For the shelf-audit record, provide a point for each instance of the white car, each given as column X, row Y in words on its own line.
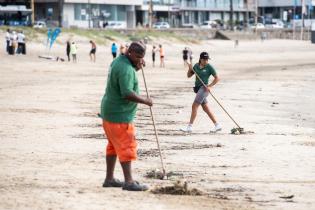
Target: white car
column 116, row 25
column 258, row 26
column 39, row 24
column 278, row 25
column 161, row 25
column 209, row 24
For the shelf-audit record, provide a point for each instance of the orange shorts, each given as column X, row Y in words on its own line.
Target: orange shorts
column 121, row 140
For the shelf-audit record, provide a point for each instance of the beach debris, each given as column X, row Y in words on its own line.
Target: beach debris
column 287, row 197
column 157, row 174
column 239, row 131
column 178, row 188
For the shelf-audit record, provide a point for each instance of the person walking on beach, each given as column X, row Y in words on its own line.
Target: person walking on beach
column 185, row 56
column 93, row 51
column 21, row 43
column 7, row 40
column 13, row 43
column 114, row 50
column 73, row 51
column 204, row 70
column 162, row 64
column 153, row 55
column 118, row 109
column 190, row 55
column 68, row 50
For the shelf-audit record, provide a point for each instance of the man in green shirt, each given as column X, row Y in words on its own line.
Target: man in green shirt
column 204, row 70
column 118, row 109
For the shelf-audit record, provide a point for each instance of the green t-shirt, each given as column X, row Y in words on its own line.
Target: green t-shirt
column 203, row 73
column 122, row 80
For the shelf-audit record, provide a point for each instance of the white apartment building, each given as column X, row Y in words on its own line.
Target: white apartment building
column 179, row 13
column 94, row 13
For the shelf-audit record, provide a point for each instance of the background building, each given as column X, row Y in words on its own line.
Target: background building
column 49, row 11
column 98, row 13
column 285, row 10
column 188, row 13
column 15, row 13
column 178, row 13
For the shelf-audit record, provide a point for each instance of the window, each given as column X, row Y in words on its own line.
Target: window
column 80, row 12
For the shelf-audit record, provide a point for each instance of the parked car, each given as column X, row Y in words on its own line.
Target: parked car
column 278, row 24
column 116, row 25
column 258, row 26
column 39, row 24
column 161, row 25
column 209, row 24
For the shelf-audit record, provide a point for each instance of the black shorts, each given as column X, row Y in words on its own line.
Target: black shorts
column 185, row 57
column 93, row 51
column 153, row 57
column 114, row 54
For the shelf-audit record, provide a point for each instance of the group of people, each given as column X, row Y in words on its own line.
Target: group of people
column 15, row 42
column 72, row 50
column 119, row 106
column 122, row 49
column 161, row 52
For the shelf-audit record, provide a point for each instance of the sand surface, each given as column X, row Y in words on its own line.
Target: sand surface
column 52, row 143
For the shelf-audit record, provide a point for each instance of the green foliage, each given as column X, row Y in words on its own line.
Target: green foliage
column 106, row 36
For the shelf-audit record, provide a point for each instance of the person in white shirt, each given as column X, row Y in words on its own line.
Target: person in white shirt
column 21, row 43
column 13, row 42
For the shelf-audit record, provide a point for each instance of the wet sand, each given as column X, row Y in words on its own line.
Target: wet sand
column 52, row 143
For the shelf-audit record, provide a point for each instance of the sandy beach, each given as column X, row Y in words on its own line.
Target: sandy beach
column 52, row 143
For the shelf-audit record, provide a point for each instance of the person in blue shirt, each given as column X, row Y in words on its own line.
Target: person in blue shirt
column 114, row 50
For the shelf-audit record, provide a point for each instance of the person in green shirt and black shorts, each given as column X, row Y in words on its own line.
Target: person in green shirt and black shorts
column 118, row 109
column 204, row 71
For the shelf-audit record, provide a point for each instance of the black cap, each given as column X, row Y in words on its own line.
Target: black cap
column 204, row 55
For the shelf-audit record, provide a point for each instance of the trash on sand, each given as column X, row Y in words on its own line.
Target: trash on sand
column 287, row 197
column 157, row 174
column 238, row 131
column 178, row 188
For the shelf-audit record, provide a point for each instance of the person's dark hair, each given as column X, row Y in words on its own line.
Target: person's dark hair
column 137, row 47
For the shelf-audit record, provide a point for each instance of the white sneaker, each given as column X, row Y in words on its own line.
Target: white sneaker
column 217, row 127
column 188, row 129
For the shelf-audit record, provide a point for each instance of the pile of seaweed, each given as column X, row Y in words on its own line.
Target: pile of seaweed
column 178, row 188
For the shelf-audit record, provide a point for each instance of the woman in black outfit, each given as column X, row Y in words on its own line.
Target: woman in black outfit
column 68, row 50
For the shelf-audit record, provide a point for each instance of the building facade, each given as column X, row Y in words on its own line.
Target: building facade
column 286, row 10
column 15, row 13
column 187, row 13
column 97, row 13
column 178, row 13
column 49, row 11
column 195, row 12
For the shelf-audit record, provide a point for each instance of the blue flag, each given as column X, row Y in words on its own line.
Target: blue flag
column 49, row 32
column 54, row 36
